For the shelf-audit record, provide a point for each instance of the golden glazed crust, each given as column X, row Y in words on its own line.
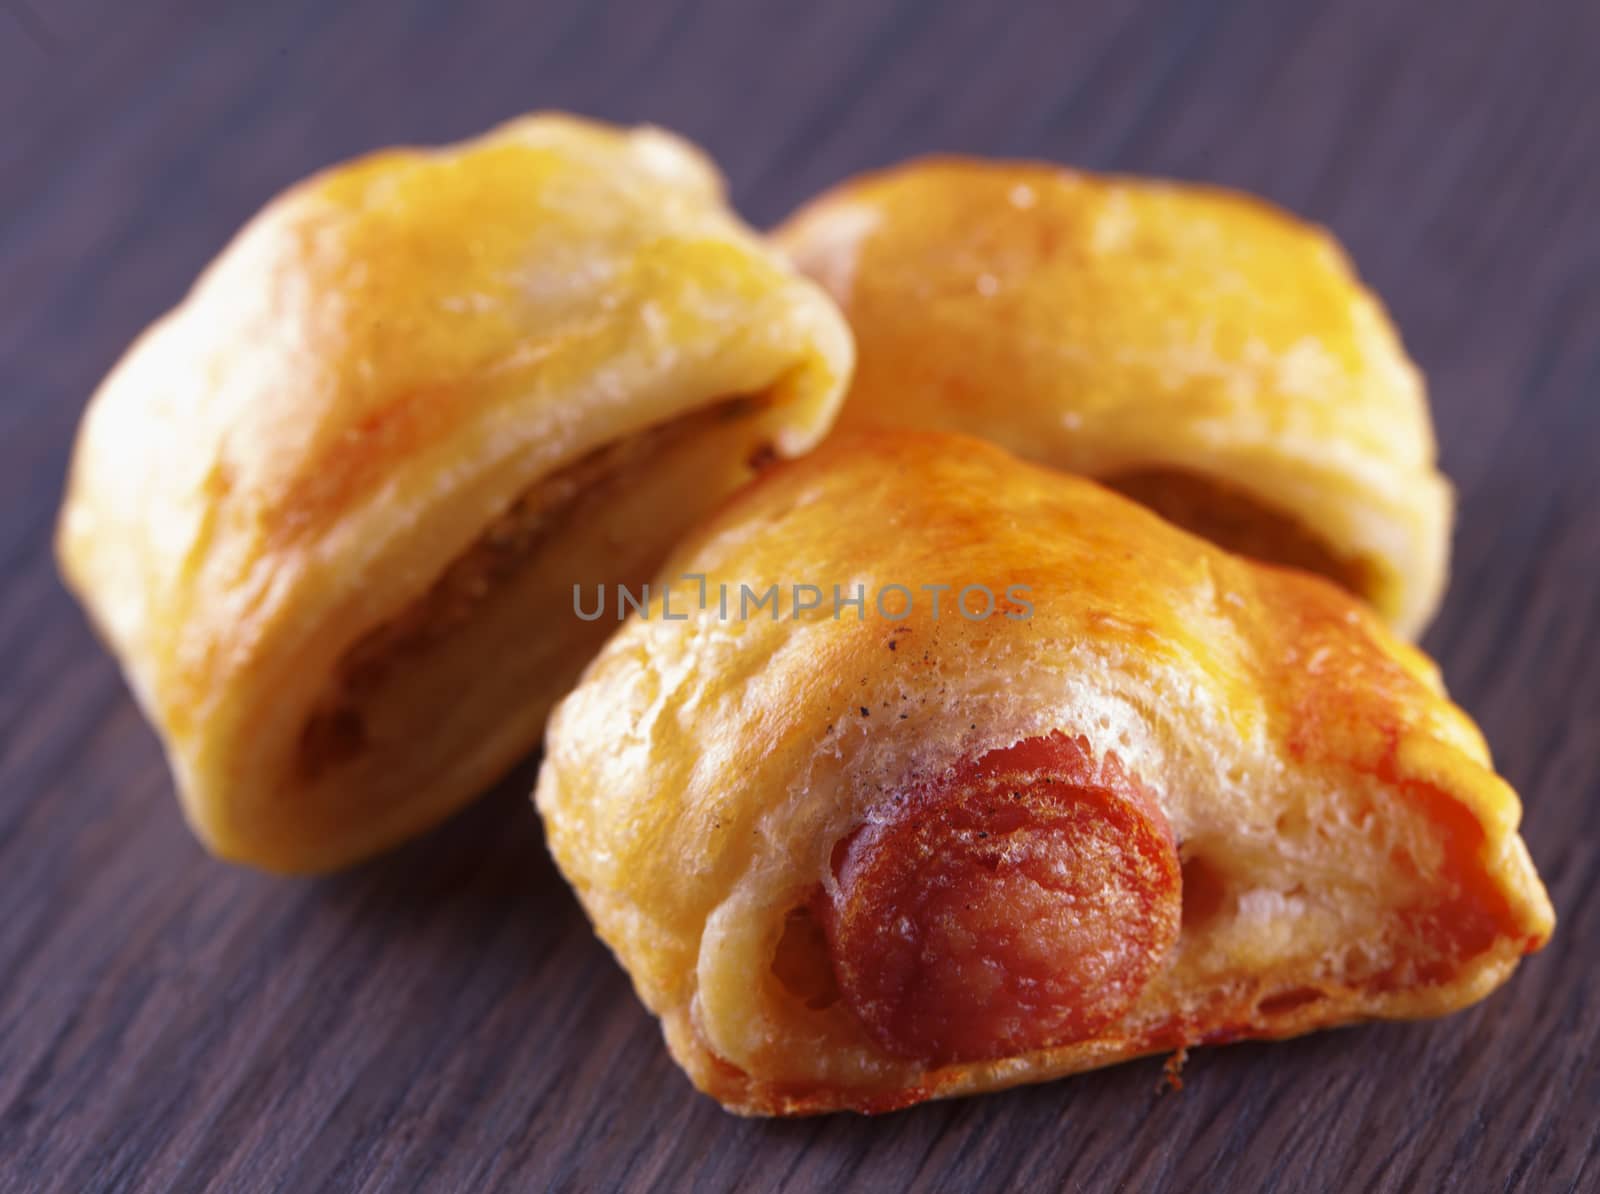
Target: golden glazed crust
column 354, row 404
column 1173, row 336
column 824, row 847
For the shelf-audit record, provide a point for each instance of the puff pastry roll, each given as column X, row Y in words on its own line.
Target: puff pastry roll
column 1201, row 351
column 1119, row 792
column 330, row 511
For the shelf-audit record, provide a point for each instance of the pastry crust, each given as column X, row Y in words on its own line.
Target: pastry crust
column 330, row 511
column 1162, row 796
column 1207, row 353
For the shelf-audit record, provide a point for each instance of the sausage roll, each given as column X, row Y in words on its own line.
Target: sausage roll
column 330, row 511
column 1202, row 352
column 1000, row 777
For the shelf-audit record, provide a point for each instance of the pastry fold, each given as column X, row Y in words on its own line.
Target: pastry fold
column 330, row 511
column 1202, row 351
column 1118, row 792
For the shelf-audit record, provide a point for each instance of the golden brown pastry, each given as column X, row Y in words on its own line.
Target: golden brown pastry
column 1159, row 796
column 330, row 511
column 1200, row 351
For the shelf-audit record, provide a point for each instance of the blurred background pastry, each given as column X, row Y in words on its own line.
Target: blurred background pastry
column 329, row 512
column 1199, row 350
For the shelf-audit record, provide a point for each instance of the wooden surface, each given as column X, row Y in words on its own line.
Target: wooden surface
column 443, row 1018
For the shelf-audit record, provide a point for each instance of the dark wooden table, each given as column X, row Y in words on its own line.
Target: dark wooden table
column 443, row 1018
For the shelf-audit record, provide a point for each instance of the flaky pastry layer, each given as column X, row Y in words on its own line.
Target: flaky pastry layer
column 1161, row 796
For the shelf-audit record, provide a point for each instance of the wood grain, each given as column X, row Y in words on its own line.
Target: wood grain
column 443, row 1018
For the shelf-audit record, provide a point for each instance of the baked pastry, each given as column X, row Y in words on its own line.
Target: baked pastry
column 1159, row 796
column 1200, row 351
column 330, row 511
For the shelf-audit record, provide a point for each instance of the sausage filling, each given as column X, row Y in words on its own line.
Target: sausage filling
column 1022, row 904
column 1234, row 519
column 336, row 732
